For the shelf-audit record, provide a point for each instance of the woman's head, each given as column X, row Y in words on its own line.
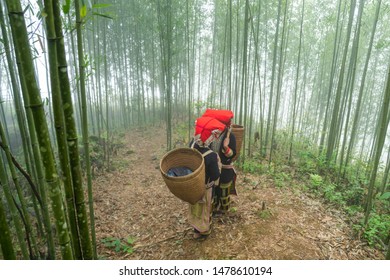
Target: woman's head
column 224, row 116
column 207, row 130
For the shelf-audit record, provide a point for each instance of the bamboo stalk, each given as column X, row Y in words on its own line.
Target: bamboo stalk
column 34, row 101
column 5, row 236
column 85, row 136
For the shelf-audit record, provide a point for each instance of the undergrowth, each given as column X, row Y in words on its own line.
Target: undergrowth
column 345, row 190
column 119, row 245
column 101, row 152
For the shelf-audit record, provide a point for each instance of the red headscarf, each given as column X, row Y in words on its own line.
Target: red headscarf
column 207, row 129
column 224, row 116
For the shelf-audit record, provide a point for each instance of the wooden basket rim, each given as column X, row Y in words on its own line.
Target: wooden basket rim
column 185, row 177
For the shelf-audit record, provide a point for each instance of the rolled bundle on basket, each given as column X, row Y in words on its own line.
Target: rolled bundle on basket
column 189, row 188
column 224, row 116
column 238, row 131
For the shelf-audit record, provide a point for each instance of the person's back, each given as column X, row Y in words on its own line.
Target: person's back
column 210, row 161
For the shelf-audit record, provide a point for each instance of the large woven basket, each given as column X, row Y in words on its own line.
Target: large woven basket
column 189, row 188
column 238, row 131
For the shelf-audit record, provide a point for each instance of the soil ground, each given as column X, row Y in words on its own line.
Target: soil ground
column 266, row 222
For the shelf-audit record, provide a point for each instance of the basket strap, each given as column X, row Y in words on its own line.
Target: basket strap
column 207, row 153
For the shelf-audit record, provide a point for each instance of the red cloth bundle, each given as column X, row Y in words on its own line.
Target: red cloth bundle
column 207, row 128
column 224, row 116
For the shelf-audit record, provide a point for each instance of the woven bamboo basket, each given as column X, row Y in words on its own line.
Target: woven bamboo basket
column 189, row 188
column 238, row 131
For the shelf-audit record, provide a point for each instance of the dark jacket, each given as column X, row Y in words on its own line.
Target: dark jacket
column 211, row 164
column 227, row 174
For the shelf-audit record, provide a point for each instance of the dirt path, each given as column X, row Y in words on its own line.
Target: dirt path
column 133, row 201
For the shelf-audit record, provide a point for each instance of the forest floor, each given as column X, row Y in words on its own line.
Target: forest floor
column 133, row 202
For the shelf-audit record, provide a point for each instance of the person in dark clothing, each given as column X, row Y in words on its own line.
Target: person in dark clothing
column 226, row 148
column 226, row 154
column 210, row 162
column 199, row 217
column 226, row 187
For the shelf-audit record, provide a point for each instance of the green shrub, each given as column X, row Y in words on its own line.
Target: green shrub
column 316, row 180
column 252, row 166
column 307, row 162
column 378, row 227
column 125, row 246
column 332, row 195
column 353, row 210
column 281, row 178
column 354, row 194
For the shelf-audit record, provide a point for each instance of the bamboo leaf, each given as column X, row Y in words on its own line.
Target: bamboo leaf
column 103, row 15
column 83, row 11
column 385, row 196
column 66, row 7
column 97, row 6
column 25, row 10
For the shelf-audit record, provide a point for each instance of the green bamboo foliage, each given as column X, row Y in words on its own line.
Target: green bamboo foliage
column 107, row 94
column 346, row 111
column 189, row 79
column 27, row 73
column 20, row 233
column 307, row 76
column 168, row 39
column 165, row 28
column 379, row 143
column 80, row 199
column 279, row 80
column 335, row 122
column 255, row 78
column 244, row 74
column 358, row 108
column 35, row 157
column 229, row 56
column 329, row 90
column 5, row 236
column 294, row 110
column 59, row 123
column 72, row 140
column 22, row 199
column 3, row 175
column 16, row 96
column 385, row 182
column 271, row 94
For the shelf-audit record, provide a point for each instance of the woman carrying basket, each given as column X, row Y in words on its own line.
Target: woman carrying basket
column 225, row 146
column 207, row 130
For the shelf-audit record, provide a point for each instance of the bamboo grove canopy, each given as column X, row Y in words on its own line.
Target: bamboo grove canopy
column 310, row 78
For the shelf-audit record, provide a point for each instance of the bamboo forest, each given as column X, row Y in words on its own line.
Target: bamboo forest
column 95, row 93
